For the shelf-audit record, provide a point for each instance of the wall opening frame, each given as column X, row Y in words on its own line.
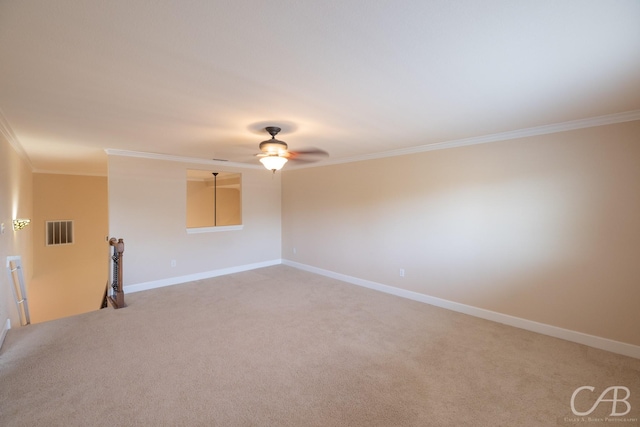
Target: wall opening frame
column 214, row 201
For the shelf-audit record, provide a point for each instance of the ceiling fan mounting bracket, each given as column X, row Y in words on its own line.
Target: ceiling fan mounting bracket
column 273, row 130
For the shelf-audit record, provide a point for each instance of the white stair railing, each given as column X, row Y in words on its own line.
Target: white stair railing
column 14, row 269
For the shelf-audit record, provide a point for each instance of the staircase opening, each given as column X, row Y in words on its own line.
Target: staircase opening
column 70, row 228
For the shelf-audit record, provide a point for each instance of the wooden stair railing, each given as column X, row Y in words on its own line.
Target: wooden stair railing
column 116, row 299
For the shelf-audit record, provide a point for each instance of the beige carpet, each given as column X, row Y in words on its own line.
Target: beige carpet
column 283, row 347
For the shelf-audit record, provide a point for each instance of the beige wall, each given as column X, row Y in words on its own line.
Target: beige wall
column 544, row 228
column 147, row 208
column 69, row 279
column 15, row 202
column 228, row 206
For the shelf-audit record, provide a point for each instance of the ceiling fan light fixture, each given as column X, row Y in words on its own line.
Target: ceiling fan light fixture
column 273, row 163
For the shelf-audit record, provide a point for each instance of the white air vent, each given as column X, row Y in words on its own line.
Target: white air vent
column 59, row 233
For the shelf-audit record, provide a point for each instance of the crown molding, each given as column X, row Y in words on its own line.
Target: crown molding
column 7, row 133
column 609, row 119
column 63, row 172
column 180, row 159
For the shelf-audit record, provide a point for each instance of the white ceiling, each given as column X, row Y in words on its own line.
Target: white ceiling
column 353, row 77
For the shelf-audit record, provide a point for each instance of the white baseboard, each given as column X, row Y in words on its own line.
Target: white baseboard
column 197, row 276
column 5, row 329
column 529, row 325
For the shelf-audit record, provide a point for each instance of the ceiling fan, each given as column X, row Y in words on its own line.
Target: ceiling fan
column 275, row 153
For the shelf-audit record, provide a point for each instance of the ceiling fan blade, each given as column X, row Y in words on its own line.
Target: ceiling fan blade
column 308, row 155
column 312, row 151
column 300, row 160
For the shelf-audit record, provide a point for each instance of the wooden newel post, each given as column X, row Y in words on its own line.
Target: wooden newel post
column 116, row 299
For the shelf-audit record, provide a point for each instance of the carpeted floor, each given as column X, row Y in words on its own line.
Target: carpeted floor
column 282, row 347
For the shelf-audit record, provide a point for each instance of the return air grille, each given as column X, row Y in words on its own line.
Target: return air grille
column 59, row 233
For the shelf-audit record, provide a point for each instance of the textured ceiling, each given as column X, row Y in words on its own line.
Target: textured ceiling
column 353, row 77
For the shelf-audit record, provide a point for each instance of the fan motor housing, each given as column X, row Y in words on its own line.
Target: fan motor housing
column 273, row 146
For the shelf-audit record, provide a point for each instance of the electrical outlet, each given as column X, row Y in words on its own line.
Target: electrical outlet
column 173, row 263
column 2, row 228
column 295, row 251
column 402, row 272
